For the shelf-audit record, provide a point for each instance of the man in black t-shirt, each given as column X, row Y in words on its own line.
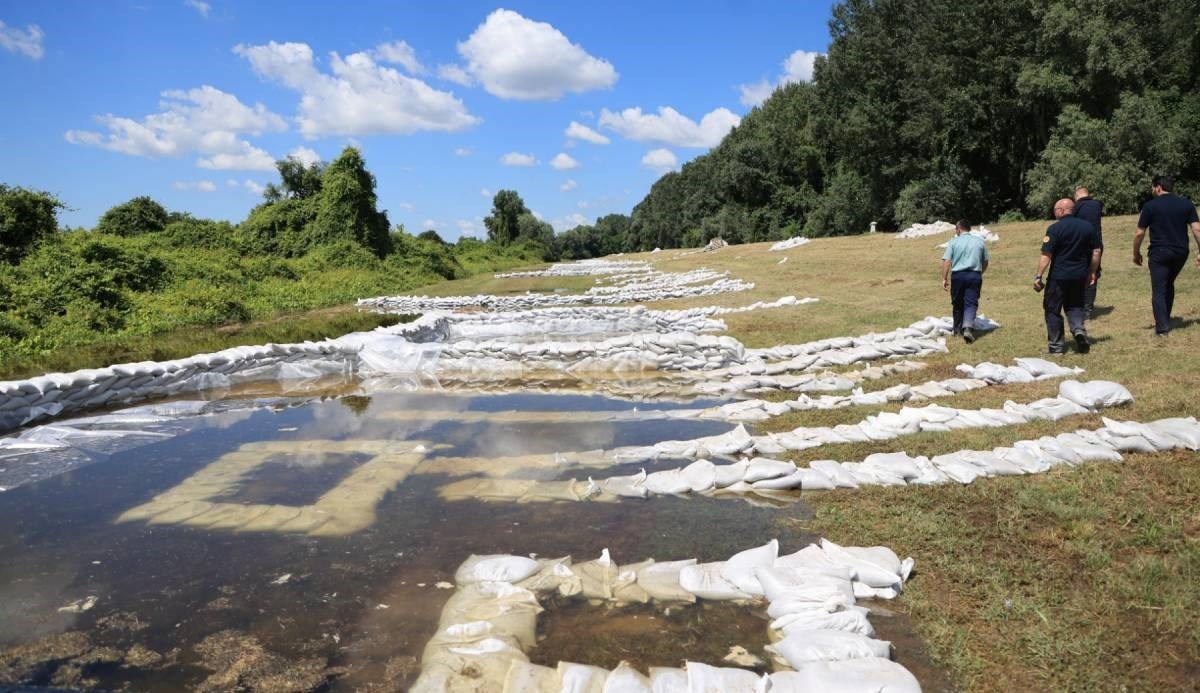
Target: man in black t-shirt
column 1090, row 210
column 1167, row 216
column 1071, row 249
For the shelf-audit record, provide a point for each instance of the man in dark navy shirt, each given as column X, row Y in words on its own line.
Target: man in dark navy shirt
column 1090, row 210
column 1071, row 249
column 1167, row 216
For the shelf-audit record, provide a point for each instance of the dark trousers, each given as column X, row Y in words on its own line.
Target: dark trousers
column 1063, row 295
column 965, row 286
column 1165, row 265
column 1089, row 295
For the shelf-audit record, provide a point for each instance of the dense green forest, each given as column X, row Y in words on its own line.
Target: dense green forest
column 317, row 240
column 928, row 109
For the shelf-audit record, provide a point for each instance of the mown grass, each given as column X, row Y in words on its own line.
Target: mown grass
column 1078, row 579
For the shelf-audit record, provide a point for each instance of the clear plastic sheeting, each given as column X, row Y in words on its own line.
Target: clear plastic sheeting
column 793, row 242
column 820, row 634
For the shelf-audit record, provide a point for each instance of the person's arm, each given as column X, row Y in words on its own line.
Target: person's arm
column 1094, row 266
column 986, row 259
column 1196, row 235
column 1043, row 263
column 1137, row 245
column 946, row 275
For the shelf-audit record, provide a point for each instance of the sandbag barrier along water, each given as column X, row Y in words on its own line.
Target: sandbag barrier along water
column 821, row 639
column 771, row 478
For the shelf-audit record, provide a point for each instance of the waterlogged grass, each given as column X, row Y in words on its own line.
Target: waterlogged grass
column 1079, row 579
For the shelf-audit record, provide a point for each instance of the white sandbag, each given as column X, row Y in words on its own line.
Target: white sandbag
column 728, row 474
column 761, row 468
column 703, row 678
column 1095, row 394
column 740, row 568
column 1183, row 430
column 866, row 566
column 957, row 467
column 705, row 581
column 813, row 480
column 865, row 591
column 812, row 558
column 930, row 475
column 630, row 486
column 495, row 568
column 897, row 463
column 661, row 581
column 700, row 476
column 581, row 678
column 793, row 590
column 874, row 674
column 1087, row 450
column 626, row 589
column 596, row 578
column 1042, row 369
column 552, row 575
column 804, row 646
column 668, row 680
column 853, row 620
column 784, row 483
column 626, row 679
column 835, row 471
column 667, row 482
column 524, row 677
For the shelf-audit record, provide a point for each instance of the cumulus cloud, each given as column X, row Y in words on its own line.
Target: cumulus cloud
column 454, row 73
column 518, row 159
column 202, row 7
column 568, row 222
column 467, row 227
column 569, row 185
column 203, row 120
column 462, row 151
column 797, row 67
column 485, row 192
column 197, row 185
column 660, row 160
column 670, row 126
column 400, row 53
column 579, row 131
column 431, row 224
column 518, row 58
column 563, row 162
column 407, row 207
column 27, row 43
column 305, row 156
column 358, row 96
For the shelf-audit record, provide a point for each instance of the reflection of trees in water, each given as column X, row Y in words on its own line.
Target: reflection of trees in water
column 359, row 404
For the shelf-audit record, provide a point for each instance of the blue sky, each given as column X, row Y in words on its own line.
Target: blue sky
column 577, row 107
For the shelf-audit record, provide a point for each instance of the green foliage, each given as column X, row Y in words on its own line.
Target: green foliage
column 843, row 208
column 138, row 216
column 277, row 227
column 431, row 235
column 345, row 206
column 186, row 231
column 503, row 224
column 26, row 217
column 949, row 192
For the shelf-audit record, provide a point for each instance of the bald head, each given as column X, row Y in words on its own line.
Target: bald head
column 1064, row 208
column 1081, row 191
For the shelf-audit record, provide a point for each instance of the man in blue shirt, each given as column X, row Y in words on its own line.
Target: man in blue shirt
column 1167, row 216
column 1071, row 249
column 1090, row 210
column 963, row 265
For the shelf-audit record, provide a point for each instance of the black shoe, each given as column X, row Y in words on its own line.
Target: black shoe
column 1082, row 345
column 956, row 332
column 968, row 335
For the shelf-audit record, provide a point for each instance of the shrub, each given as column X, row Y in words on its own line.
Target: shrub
column 138, row 216
column 26, row 217
column 190, row 232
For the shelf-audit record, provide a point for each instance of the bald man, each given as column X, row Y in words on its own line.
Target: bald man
column 1071, row 251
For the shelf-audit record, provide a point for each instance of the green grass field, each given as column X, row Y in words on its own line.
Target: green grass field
column 1079, row 579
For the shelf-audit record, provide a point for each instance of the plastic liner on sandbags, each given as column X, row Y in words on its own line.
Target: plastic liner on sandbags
column 524, row 677
column 702, row 678
column 803, row 646
column 853, row 620
column 874, row 674
column 581, row 678
column 668, row 680
column 495, row 568
column 626, row 679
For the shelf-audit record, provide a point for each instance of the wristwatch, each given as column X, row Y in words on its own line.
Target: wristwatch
column 1037, row 277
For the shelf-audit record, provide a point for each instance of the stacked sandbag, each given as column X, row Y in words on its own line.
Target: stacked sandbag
column 793, row 242
column 819, row 635
column 592, row 267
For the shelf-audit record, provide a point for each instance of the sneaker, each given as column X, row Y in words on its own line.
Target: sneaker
column 968, row 335
column 1082, row 345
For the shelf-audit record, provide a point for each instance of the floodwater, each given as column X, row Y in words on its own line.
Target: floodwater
column 316, row 539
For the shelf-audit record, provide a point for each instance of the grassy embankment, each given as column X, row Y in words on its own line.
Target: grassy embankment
column 1078, row 579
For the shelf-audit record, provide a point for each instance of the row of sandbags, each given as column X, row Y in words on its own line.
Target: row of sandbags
column 421, row 304
column 583, row 268
column 816, row 631
column 1074, row 398
column 768, row 477
column 983, row 375
column 793, row 242
column 928, row 328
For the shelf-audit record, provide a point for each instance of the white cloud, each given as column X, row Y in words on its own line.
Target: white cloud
column 454, row 73
column 407, row 207
column 28, row 42
column 518, row 58
column 231, row 183
column 670, row 126
column 563, row 162
column 660, row 160
column 580, row 131
column 485, row 192
column 463, row 151
column 197, row 185
column 568, row 222
column 359, row 97
column 305, row 156
column 797, row 67
column 202, row 7
column 518, row 159
column 467, row 227
column 203, row 120
column 430, row 224
column 254, row 187
column 569, row 185
column 583, row 204
column 402, row 54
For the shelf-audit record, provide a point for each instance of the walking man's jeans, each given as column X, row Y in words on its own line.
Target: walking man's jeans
column 1165, row 264
column 1089, row 295
column 1063, row 295
column 965, row 286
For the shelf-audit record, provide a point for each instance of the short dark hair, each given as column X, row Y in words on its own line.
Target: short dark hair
column 963, row 224
column 1163, row 181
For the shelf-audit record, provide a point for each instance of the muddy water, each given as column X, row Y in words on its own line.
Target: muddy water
column 182, row 607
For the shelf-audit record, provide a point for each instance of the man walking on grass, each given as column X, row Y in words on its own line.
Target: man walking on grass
column 1090, row 210
column 1071, row 250
column 1167, row 217
column 963, row 265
